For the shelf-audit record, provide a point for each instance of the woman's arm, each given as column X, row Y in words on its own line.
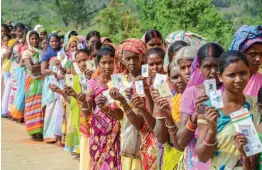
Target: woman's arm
column 34, row 68
column 148, row 118
column 44, row 69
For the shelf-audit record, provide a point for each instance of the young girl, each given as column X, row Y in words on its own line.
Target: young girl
column 192, row 96
column 105, row 128
column 215, row 128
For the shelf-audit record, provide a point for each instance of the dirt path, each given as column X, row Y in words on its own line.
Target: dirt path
column 21, row 153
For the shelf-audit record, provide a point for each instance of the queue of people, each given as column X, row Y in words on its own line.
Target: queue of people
column 141, row 104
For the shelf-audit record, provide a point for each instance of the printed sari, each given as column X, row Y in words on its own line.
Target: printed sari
column 104, row 136
column 226, row 155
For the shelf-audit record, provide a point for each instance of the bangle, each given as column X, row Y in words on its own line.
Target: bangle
column 170, row 127
column 174, row 132
column 123, row 105
column 84, row 108
column 129, row 111
column 209, row 144
column 160, row 117
column 191, row 126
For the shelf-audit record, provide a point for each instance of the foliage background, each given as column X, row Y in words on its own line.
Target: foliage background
column 216, row 20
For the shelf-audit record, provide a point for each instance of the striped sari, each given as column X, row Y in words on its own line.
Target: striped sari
column 34, row 117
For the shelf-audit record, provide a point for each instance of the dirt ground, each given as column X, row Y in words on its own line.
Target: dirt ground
column 21, row 153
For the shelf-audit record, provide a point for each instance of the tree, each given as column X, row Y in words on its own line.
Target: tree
column 198, row 16
column 117, row 22
column 78, row 12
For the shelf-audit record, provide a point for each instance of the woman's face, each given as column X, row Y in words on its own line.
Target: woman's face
column 92, row 40
column 43, row 35
column 184, row 67
column 54, row 43
column 93, row 54
column 177, row 80
column 73, row 46
column 44, row 45
column 19, row 32
column 61, row 42
column 5, row 40
column 235, row 77
column 34, row 40
column 131, row 61
column 154, row 42
column 208, row 68
column 106, row 65
column 81, row 59
column 254, row 56
column 155, row 64
column 4, row 31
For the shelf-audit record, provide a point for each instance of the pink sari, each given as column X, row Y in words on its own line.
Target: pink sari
column 254, row 84
column 104, row 137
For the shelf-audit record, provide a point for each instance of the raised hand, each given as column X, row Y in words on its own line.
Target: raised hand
column 116, row 95
column 69, row 91
column 138, row 102
column 240, row 141
column 101, row 101
column 88, row 73
column 211, row 115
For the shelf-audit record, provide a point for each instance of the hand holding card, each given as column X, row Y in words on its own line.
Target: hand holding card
column 164, row 90
column 90, row 64
column 140, row 88
column 145, row 70
column 159, row 79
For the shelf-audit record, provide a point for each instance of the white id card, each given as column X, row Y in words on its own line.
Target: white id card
column 210, row 86
column 164, row 90
column 107, row 95
column 159, row 79
column 216, row 99
column 69, row 80
column 243, row 124
column 117, row 80
column 140, row 87
column 90, row 64
column 144, row 70
column 77, row 69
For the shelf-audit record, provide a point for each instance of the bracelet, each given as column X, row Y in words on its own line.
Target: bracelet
column 170, row 127
column 129, row 111
column 209, row 144
column 84, row 108
column 174, row 132
column 123, row 105
column 160, row 117
column 191, row 126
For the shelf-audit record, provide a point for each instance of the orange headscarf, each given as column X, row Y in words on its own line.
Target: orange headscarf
column 132, row 44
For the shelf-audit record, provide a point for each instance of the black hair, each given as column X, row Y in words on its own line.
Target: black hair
column 158, row 51
column 81, row 51
column 10, row 27
column 34, row 32
column 105, row 50
column 21, row 25
column 230, row 57
column 175, row 47
column 74, row 33
column 92, row 34
column 8, row 36
column 5, row 26
column 95, row 46
column 152, row 34
column 212, row 50
column 259, row 96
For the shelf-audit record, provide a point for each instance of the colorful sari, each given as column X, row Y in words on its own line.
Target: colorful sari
column 73, row 115
column 33, row 115
column 226, row 155
column 17, row 108
column 148, row 149
column 104, row 137
column 171, row 155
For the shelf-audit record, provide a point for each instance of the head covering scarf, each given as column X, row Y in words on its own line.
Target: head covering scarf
column 73, row 39
column 67, row 36
column 192, row 39
column 132, row 44
column 29, row 46
column 163, row 43
column 245, row 37
column 50, row 52
column 39, row 28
